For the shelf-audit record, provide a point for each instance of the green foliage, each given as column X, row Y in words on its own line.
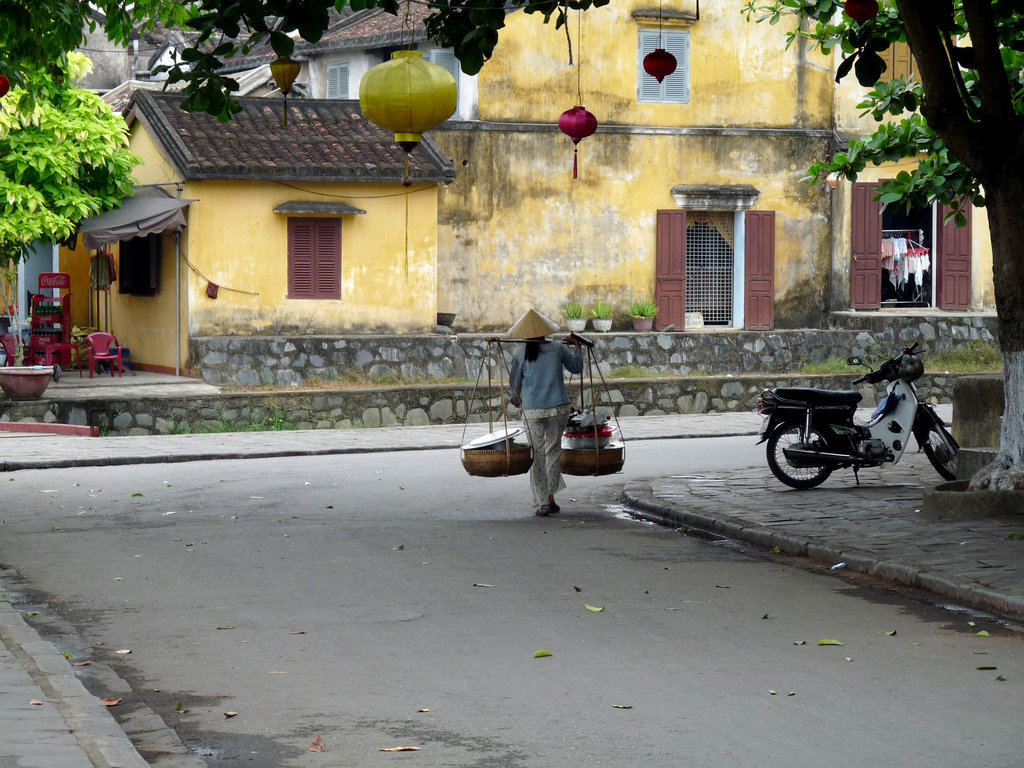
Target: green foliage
column 574, row 310
column 643, row 308
column 974, row 356
column 601, row 310
column 63, row 157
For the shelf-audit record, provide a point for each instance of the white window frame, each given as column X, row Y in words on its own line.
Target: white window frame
column 336, row 80
column 674, row 89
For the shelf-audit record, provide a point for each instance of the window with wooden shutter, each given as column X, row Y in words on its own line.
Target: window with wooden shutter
column 337, row 80
column 898, row 62
column 314, row 258
column 674, row 89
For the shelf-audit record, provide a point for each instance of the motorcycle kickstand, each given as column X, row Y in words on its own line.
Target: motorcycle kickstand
column 856, row 475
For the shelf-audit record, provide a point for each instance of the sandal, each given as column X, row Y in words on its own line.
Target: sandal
column 553, row 507
column 542, row 512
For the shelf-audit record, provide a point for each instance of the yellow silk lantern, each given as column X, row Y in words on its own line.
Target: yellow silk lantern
column 408, row 96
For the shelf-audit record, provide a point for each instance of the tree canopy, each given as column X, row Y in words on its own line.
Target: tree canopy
column 63, row 157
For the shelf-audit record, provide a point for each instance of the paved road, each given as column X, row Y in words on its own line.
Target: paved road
column 686, row 645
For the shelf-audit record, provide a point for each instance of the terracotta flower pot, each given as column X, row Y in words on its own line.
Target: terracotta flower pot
column 643, row 323
column 25, row 382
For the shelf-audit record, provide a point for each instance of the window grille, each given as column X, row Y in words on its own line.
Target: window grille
column 710, row 253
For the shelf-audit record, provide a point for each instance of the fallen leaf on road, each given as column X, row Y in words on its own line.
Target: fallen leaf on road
column 891, row 633
column 827, row 641
column 318, row 744
column 399, row 749
column 541, row 654
column 983, row 668
column 125, row 651
column 622, row 706
column 800, row 642
column 36, row 703
column 594, row 608
column 425, row 709
column 489, row 586
column 226, row 626
column 983, row 633
column 230, row 714
column 110, row 702
column 80, row 663
column 771, row 692
column 578, row 589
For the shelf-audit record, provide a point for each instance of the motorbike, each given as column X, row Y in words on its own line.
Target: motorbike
column 810, row 432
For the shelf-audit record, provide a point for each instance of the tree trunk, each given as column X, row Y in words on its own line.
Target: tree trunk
column 1005, row 202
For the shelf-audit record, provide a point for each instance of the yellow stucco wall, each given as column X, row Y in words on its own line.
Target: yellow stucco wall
column 517, row 230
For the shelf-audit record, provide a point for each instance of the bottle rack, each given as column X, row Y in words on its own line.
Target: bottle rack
column 50, row 331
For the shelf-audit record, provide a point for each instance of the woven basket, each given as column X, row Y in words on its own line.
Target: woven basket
column 606, row 461
column 498, row 462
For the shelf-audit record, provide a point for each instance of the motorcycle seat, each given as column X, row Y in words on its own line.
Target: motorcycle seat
column 820, row 397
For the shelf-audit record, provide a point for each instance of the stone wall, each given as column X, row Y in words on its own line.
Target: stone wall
column 415, row 405
column 289, row 361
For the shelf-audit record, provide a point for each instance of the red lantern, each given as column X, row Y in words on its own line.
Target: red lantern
column 577, row 123
column 5, row 85
column 861, row 10
column 659, row 64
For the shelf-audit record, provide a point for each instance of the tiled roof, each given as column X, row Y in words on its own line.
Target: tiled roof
column 325, row 140
column 372, row 29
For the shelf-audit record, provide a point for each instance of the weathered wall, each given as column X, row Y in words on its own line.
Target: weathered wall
column 516, row 230
column 292, row 360
column 415, row 405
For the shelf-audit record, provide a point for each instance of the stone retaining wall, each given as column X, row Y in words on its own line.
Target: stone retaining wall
column 414, row 405
column 289, row 361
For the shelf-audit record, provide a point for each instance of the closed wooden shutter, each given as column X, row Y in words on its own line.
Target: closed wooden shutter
column 866, row 238
column 674, row 89
column 953, row 257
column 759, row 271
column 670, row 268
column 314, row 259
column 337, row 80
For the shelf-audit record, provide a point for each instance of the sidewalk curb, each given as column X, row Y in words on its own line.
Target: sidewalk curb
column 639, row 495
column 101, row 738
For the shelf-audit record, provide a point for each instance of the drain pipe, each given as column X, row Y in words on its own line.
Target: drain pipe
column 177, row 293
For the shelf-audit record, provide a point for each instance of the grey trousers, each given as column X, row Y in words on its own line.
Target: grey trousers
column 546, row 470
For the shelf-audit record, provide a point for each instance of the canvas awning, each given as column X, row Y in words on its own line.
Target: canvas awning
column 150, row 211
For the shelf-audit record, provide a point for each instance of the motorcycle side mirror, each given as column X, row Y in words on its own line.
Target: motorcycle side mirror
column 856, row 361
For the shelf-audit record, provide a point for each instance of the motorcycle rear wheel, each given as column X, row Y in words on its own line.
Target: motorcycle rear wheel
column 795, row 477
column 942, row 451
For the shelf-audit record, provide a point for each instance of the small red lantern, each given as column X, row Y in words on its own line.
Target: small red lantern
column 577, row 123
column 861, row 10
column 5, row 85
column 659, row 64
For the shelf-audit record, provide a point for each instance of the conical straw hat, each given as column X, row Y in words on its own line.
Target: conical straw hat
column 532, row 325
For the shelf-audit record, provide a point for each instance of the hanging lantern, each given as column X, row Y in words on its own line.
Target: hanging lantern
column 5, row 85
column 408, row 96
column 659, row 64
column 861, row 10
column 285, row 70
column 577, row 123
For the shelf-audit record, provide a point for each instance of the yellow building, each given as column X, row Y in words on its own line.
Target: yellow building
column 301, row 228
column 690, row 191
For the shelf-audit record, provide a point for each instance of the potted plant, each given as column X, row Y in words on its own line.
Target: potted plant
column 643, row 312
column 601, row 316
column 575, row 315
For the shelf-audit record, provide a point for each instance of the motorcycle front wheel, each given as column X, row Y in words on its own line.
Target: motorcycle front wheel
column 795, row 476
column 942, row 451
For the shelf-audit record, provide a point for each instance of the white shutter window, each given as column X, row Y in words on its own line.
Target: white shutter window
column 674, row 89
column 337, row 80
column 445, row 57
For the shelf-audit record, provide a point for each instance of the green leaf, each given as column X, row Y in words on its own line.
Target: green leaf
column 622, row 706
column 593, row 608
column 983, row 633
column 827, row 641
column 136, row 495
column 541, row 654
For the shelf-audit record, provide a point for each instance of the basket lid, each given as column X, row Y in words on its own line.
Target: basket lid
column 493, row 438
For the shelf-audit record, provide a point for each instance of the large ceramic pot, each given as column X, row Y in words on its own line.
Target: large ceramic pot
column 643, row 323
column 602, row 324
column 24, row 382
column 576, row 324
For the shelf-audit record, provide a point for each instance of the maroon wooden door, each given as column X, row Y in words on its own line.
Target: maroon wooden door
column 670, row 269
column 953, row 262
column 759, row 271
column 866, row 238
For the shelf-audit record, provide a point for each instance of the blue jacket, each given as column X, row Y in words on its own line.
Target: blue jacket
column 540, row 383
